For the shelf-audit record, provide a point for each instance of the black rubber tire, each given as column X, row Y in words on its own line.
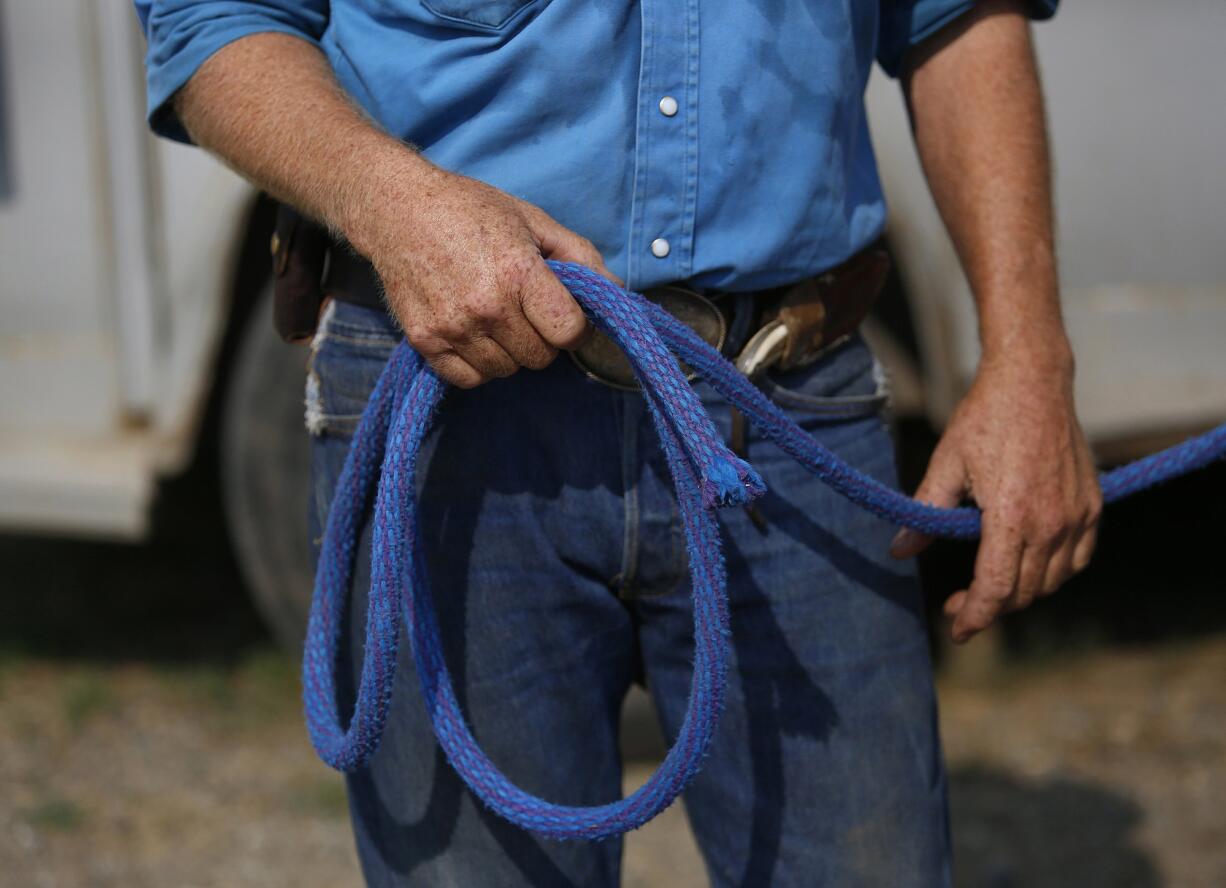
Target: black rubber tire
column 265, row 470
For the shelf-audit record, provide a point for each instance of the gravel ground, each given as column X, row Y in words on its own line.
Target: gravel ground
column 1104, row 769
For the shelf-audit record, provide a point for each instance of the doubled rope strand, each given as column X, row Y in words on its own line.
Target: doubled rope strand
column 381, row 466
column 958, row 523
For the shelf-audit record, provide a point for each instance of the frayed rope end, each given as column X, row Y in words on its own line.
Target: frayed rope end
column 750, row 479
column 731, row 482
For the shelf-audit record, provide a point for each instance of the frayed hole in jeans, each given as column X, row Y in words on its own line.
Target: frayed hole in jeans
column 314, row 416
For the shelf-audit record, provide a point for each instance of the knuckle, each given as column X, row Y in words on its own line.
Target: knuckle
column 993, row 594
column 515, row 269
column 450, row 329
column 1053, row 536
column 503, row 368
column 539, row 359
column 1011, row 516
column 418, row 334
column 426, row 340
column 455, row 371
column 487, row 307
column 998, row 598
column 1050, row 529
column 489, row 360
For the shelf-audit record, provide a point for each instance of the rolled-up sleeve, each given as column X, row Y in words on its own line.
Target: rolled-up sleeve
column 181, row 34
column 905, row 23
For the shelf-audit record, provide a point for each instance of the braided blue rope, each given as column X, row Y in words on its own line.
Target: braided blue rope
column 382, row 465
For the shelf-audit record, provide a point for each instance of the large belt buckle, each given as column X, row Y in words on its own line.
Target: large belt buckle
column 600, row 358
column 764, row 350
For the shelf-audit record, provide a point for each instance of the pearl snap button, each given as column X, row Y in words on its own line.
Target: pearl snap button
column 668, row 106
column 659, row 248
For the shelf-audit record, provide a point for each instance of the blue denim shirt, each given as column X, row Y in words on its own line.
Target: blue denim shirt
column 719, row 141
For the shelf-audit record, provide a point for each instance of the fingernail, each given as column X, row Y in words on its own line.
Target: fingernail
column 903, row 541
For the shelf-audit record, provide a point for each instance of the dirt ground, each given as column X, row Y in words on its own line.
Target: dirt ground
column 150, row 733
column 1106, row 769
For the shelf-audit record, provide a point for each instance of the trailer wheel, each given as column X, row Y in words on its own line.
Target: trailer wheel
column 265, row 470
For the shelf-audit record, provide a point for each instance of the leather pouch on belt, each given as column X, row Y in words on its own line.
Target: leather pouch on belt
column 299, row 248
column 822, row 310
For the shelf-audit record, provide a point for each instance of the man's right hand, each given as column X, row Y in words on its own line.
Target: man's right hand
column 463, row 267
column 463, row 263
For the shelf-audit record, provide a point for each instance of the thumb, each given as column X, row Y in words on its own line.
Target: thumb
column 560, row 243
column 943, row 486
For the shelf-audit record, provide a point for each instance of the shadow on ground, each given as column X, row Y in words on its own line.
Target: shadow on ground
column 1010, row 832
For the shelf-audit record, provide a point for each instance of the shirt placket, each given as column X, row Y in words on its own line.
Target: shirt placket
column 661, row 239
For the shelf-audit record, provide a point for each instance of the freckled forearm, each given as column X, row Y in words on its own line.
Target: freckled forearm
column 270, row 106
column 977, row 112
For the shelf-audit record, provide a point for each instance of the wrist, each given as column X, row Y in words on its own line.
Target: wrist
column 1045, row 345
column 1021, row 326
column 1042, row 361
column 379, row 193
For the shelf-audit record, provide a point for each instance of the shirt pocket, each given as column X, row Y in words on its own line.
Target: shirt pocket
column 483, row 14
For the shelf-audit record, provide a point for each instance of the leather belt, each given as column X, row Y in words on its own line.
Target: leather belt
column 788, row 327
column 351, row 278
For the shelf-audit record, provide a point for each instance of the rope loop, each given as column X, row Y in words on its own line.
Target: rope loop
column 381, row 469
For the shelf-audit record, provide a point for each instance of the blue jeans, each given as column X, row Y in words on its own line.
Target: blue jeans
column 560, row 575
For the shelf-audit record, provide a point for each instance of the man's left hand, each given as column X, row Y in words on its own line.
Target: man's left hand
column 1014, row 446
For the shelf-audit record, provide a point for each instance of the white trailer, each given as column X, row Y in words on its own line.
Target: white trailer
column 123, row 277
column 125, row 261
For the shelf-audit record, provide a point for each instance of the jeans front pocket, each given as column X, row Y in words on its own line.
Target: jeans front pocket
column 489, row 14
column 349, row 351
column 846, row 384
